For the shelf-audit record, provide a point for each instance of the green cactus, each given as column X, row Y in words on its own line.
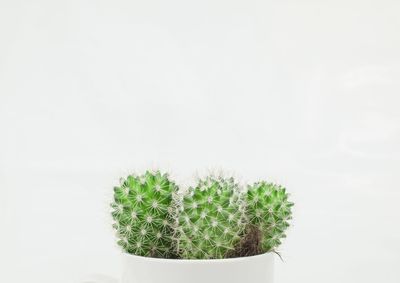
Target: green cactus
column 143, row 211
column 268, row 209
column 211, row 219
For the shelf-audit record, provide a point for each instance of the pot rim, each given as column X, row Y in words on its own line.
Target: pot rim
column 177, row 260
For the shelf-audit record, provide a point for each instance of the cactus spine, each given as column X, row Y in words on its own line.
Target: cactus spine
column 143, row 211
column 268, row 209
column 211, row 220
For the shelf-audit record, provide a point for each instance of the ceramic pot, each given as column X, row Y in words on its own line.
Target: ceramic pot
column 254, row 269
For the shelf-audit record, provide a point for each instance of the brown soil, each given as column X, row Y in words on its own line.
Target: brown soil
column 250, row 244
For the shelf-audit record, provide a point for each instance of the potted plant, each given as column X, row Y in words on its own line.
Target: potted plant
column 213, row 232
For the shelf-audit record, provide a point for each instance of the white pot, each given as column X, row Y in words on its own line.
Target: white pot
column 253, row 269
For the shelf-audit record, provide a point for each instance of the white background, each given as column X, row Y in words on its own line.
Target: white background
column 304, row 93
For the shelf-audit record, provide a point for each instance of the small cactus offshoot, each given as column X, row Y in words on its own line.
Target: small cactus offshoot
column 211, row 220
column 143, row 211
column 269, row 210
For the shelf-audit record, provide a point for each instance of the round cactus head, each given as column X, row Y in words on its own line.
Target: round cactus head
column 268, row 209
column 143, row 211
column 211, row 219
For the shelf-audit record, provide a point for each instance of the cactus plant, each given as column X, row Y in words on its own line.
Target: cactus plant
column 143, row 211
column 268, row 209
column 211, row 219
